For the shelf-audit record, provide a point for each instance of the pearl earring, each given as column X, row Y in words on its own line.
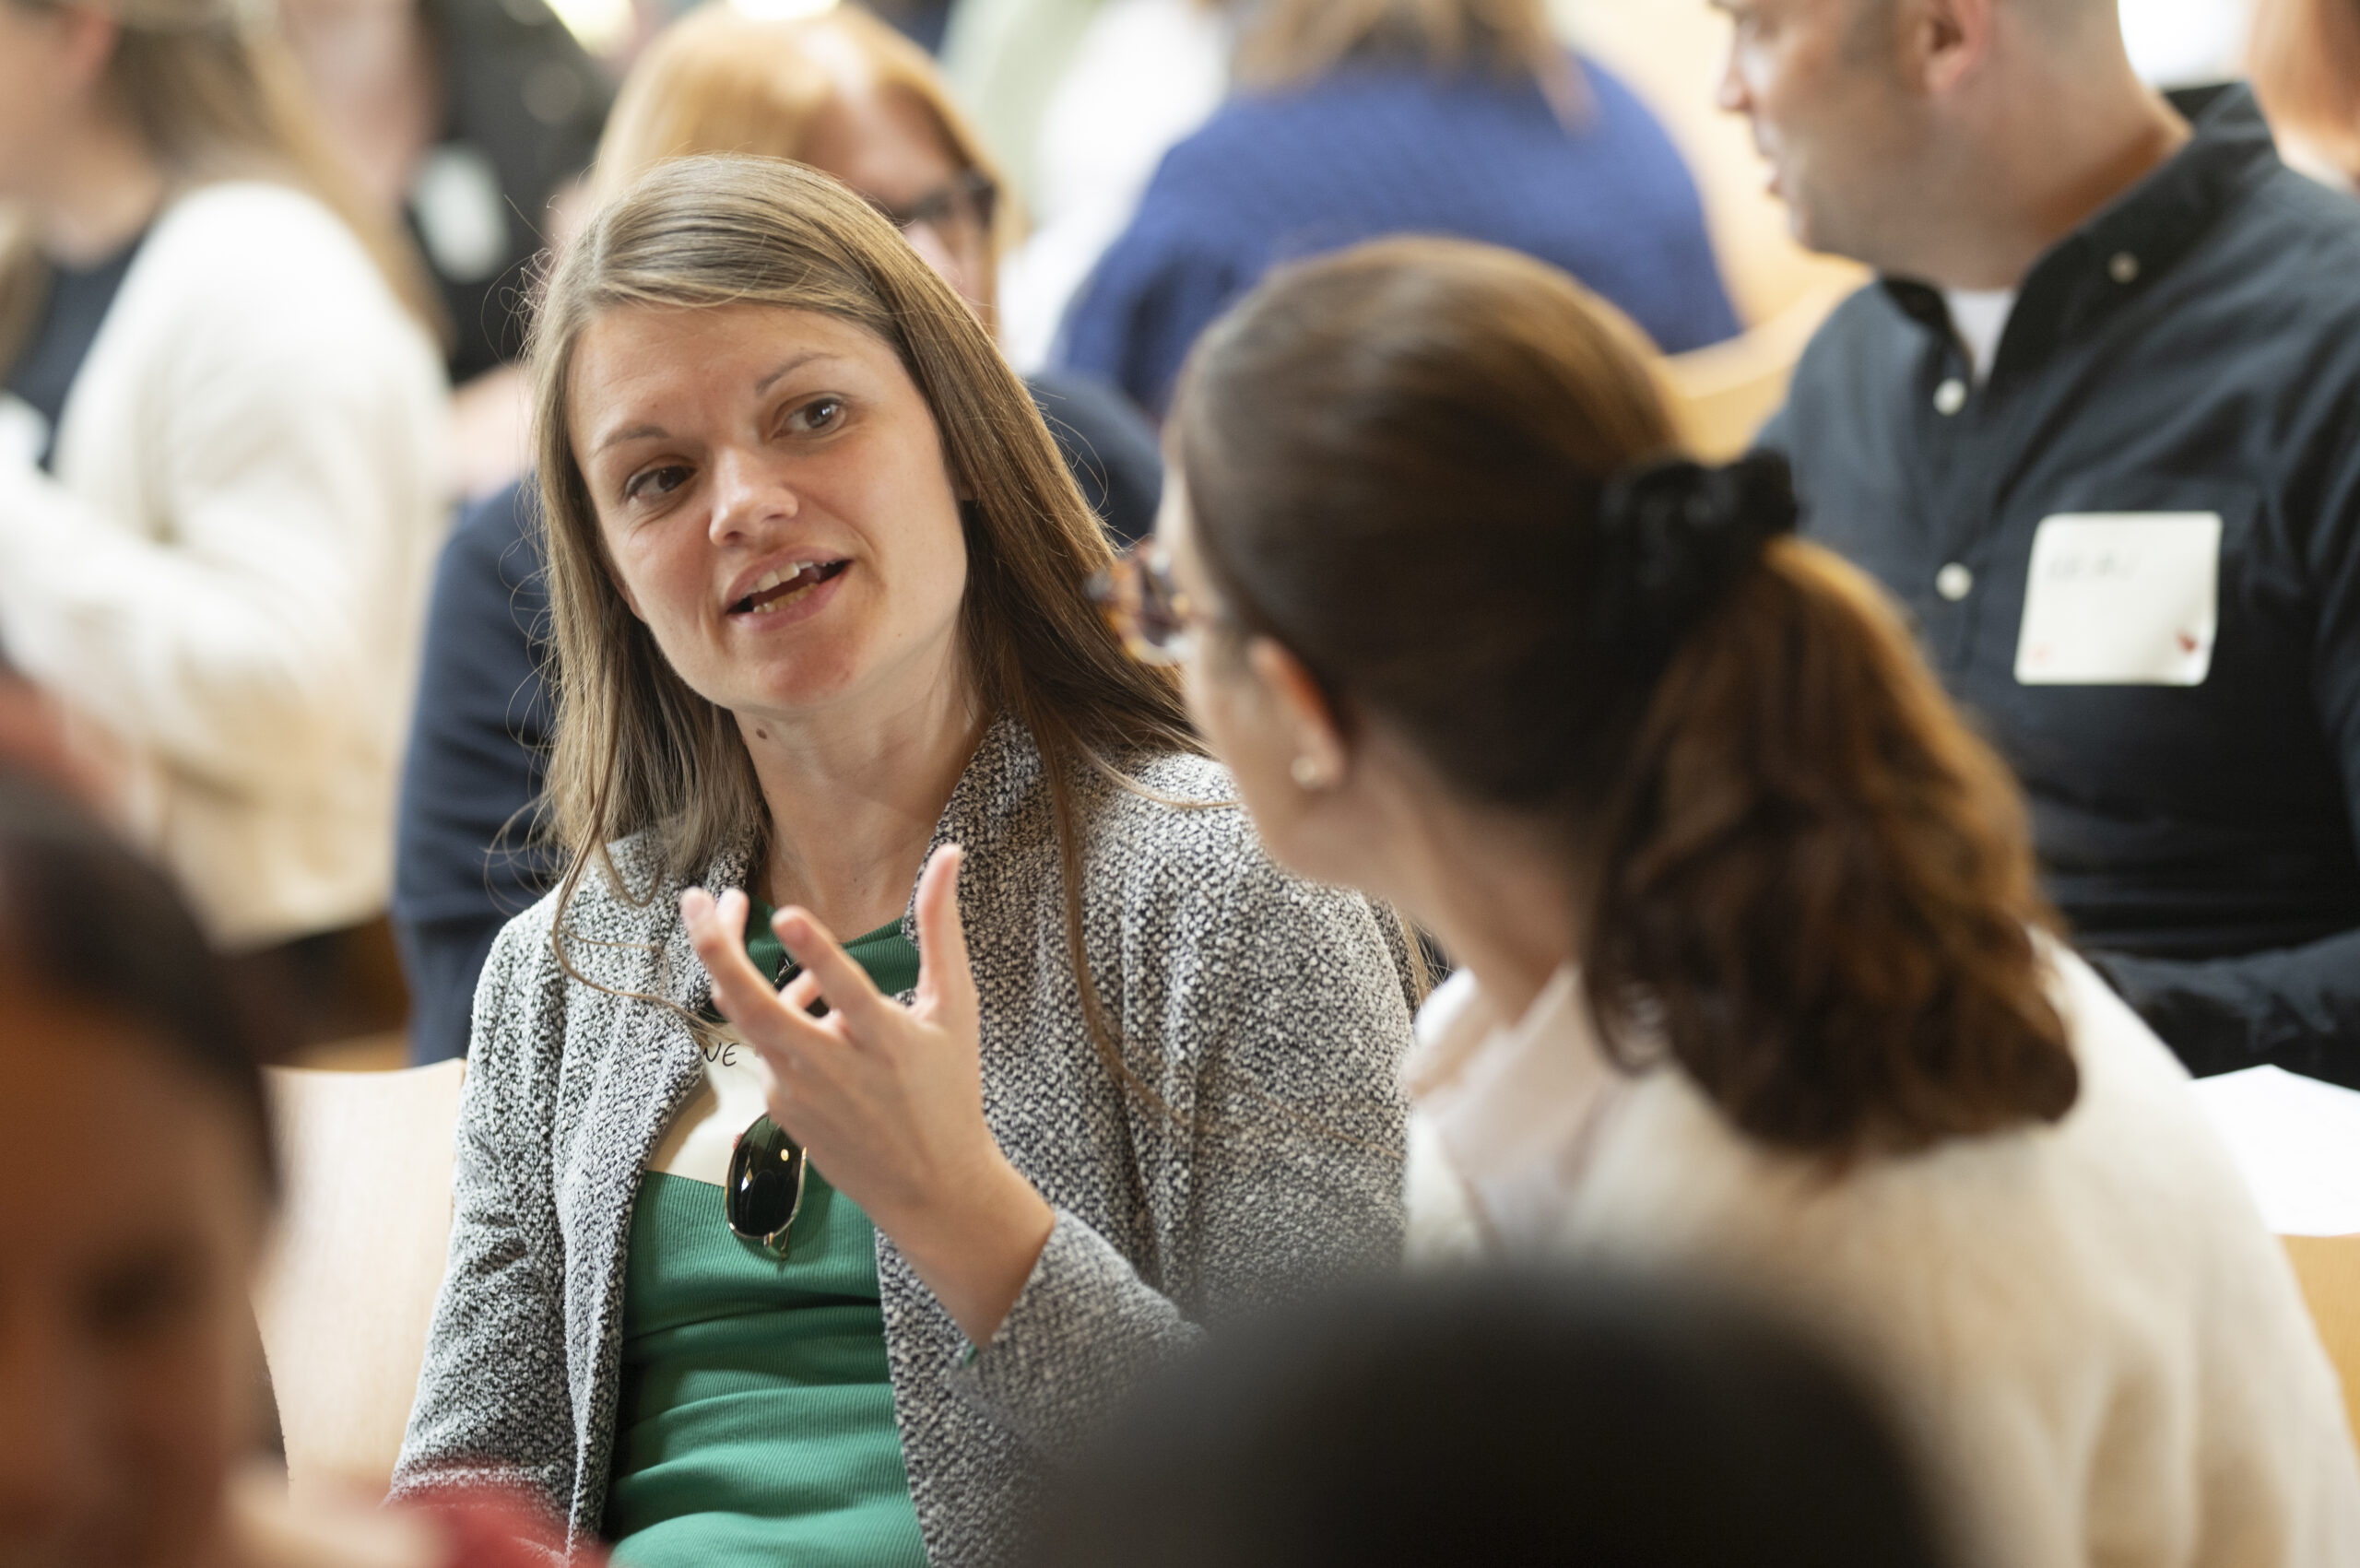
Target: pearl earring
column 1306, row 775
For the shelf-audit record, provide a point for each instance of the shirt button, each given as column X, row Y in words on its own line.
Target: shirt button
column 1951, row 396
column 1953, row 581
column 2123, row 268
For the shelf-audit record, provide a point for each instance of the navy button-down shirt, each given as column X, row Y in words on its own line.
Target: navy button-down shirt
column 2193, row 349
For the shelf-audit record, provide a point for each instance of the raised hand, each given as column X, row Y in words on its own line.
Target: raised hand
column 886, row 1099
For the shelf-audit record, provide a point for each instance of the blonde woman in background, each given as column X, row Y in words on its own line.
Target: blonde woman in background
column 854, row 98
column 848, row 96
column 468, row 123
column 220, row 463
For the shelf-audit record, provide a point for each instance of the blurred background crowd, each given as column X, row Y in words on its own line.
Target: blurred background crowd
column 227, row 602
column 278, row 710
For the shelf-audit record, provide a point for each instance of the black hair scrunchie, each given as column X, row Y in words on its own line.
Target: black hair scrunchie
column 1672, row 537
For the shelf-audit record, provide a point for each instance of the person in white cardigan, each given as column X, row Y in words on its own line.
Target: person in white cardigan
column 222, row 453
column 1758, row 986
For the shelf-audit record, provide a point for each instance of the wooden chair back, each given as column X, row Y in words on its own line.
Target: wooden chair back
column 365, row 1228
column 1721, row 396
column 2328, row 1268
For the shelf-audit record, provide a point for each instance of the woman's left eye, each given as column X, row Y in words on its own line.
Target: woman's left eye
column 820, row 414
column 650, row 483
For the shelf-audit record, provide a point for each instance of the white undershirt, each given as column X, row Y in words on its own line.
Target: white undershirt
column 1980, row 316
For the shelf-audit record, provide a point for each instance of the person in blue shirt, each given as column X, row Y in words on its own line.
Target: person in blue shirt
column 2093, row 426
column 1355, row 119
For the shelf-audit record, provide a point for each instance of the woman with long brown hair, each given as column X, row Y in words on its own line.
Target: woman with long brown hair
column 734, row 1282
column 845, row 94
column 221, row 481
column 1756, row 980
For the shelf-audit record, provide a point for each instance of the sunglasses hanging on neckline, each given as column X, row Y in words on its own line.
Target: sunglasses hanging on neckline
column 767, row 1172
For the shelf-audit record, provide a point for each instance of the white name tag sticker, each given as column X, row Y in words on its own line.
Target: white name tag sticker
column 2121, row 598
column 698, row 1142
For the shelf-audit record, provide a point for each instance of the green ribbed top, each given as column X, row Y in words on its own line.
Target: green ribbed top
column 756, row 1413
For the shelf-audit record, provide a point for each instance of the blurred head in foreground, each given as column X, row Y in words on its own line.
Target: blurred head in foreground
column 135, row 1180
column 138, row 1183
column 1502, row 1419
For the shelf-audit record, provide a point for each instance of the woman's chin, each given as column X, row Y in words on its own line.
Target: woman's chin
column 844, row 662
column 789, row 698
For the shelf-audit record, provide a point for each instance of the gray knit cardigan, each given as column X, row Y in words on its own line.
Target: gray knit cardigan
column 1268, row 1015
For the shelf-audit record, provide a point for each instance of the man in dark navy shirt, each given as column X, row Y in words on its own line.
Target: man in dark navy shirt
column 2098, row 427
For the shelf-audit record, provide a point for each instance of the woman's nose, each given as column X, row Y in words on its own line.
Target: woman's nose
column 748, row 493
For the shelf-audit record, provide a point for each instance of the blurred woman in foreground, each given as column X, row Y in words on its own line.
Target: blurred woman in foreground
column 1756, row 982
column 135, row 1189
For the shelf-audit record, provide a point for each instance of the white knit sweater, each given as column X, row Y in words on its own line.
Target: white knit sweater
column 227, row 574
column 2104, row 1352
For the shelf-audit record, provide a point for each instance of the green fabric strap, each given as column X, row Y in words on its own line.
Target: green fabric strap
column 885, row 953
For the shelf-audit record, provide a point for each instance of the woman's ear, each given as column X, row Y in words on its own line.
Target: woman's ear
column 1946, row 39
column 1304, row 712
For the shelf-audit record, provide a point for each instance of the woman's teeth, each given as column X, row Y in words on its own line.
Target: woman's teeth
column 785, row 585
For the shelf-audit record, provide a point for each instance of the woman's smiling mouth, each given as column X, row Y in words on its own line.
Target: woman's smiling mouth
column 782, row 587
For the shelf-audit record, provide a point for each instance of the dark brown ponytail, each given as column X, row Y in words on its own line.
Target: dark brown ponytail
column 1441, row 474
column 1813, row 882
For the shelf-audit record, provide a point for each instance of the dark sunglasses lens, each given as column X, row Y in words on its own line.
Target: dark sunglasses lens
column 765, row 1182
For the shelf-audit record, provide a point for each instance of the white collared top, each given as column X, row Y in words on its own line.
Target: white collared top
column 2102, row 1348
